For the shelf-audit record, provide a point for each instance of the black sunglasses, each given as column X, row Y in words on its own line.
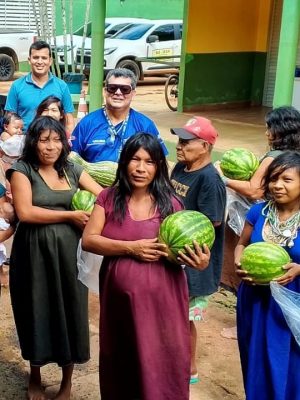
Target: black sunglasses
column 112, row 88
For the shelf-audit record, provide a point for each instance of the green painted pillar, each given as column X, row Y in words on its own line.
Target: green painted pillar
column 98, row 11
column 183, row 59
column 288, row 44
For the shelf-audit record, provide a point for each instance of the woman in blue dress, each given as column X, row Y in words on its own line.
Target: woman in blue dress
column 270, row 356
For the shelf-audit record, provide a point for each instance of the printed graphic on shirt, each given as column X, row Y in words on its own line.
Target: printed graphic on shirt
column 180, row 189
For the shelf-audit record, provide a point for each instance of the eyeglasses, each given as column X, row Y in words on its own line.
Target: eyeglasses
column 112, row 88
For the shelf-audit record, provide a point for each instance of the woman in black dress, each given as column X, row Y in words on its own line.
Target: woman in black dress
column 49, row 303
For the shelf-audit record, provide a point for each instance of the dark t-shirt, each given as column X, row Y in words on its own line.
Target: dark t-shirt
column 204, row 191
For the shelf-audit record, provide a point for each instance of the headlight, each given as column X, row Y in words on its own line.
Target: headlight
column 109, row 50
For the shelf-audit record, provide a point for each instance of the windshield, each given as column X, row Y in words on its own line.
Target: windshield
column 79, row 31
column 134, row 32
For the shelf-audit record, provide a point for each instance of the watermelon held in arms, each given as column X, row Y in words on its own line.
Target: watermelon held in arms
column 239, row 163
column 264, row 261
column 83, row 200
column 182, row 228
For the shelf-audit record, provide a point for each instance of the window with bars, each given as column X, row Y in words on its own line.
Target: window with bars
column 23, row 14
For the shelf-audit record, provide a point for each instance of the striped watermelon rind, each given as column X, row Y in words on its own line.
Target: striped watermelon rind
column 239, row 163
column 264, row 261
column 83, row 200
column 182, row 228
column 103, row 172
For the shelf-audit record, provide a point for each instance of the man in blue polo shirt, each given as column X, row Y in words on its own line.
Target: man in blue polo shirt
column 100, row 136
column 28, row 92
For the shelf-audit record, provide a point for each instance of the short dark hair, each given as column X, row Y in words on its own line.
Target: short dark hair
column 39, row 45
column 122, row 73
column 160, row 188
column 47, row 102
column 35, row 129
column 284, row 124
column 286, row 160
column 9, row 116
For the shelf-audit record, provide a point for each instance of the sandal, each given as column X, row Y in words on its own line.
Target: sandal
column 194, row 379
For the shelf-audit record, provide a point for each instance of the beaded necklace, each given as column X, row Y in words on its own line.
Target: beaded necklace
column 282, row 233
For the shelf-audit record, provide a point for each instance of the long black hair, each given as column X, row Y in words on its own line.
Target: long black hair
column 284, row 124
column 286, row 160
column 35, row 129
column 160, row 188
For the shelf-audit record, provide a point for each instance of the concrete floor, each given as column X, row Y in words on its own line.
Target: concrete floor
column 239, row 127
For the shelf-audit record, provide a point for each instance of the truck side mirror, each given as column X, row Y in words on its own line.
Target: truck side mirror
column 152, row 38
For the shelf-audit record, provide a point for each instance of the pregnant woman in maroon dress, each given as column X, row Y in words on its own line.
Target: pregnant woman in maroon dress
column 144, row 330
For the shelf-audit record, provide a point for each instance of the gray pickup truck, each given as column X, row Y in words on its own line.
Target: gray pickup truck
column 14, row 48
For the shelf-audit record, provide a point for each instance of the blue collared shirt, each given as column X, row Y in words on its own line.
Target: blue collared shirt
column 25, row 96
column 90, row 138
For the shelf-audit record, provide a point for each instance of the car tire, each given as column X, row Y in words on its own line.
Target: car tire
column 7, row 68
column 132, row 66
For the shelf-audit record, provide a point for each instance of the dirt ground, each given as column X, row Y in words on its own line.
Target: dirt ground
column 217, row 357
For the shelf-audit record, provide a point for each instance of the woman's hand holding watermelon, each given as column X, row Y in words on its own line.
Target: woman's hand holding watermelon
column 197, row 258
column 241, row 273
column 293, row 270
column 244, row 276
column 80, row 218
column 148, row 250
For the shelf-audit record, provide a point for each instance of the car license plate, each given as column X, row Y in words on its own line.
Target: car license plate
column 162, row 52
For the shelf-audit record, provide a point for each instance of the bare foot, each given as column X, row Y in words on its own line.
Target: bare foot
column 35, row 391
column 64, row 393
column 229, row 333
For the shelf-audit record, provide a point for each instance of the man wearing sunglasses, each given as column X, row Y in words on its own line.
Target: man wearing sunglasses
column 101, row 135
column 198, row 184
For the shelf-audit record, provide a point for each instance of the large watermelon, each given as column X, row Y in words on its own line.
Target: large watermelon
column 83, row 200
column 182, row 228
column 103, row 172
column 264, row 261
column 239, row 163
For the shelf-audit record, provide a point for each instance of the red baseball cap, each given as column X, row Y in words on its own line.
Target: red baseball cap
column 197, row 127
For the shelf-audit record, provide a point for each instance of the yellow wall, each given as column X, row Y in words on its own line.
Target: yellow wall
column 264, row 20
column 216, row 26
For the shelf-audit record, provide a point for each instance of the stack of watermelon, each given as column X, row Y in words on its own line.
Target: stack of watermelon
column 83, row 200
column 264, row 261
column 103, row 172
column 183, row 227
column 239, row 163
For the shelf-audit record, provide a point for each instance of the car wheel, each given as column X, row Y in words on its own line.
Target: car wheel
column 7, row 68
column 132, row 66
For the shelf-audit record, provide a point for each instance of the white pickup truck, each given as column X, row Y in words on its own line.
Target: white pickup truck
column 147, row 41
column 14, row 48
